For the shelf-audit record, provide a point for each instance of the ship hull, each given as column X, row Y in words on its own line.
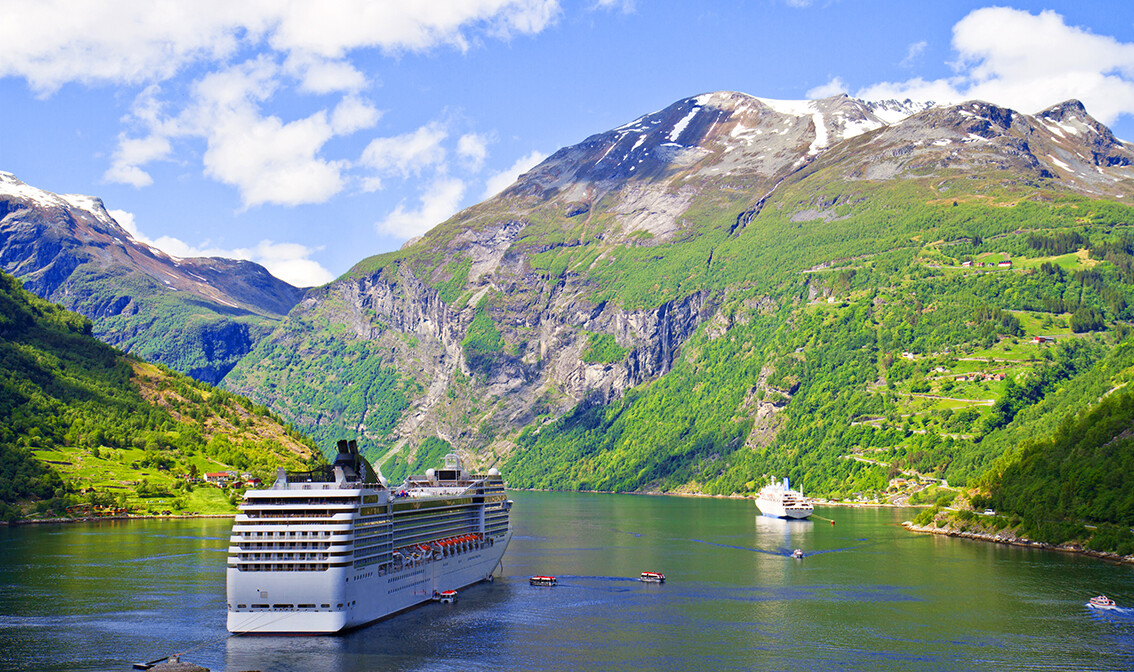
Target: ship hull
column 366, row 596
column 777, row 510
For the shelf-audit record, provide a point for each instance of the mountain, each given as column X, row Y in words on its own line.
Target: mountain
column 198, row 316
column 734, row 287
column 83, row 422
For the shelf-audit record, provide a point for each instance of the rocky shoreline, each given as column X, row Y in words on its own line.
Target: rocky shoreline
column 1011, row 539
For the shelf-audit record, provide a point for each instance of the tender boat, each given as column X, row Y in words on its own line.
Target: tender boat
column 1101, row 602
column 797, row 554
column 543, row 581
column 445, row 596
column 652, row 577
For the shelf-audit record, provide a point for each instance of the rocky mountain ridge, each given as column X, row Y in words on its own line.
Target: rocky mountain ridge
column 560, row 262
column 68, row 249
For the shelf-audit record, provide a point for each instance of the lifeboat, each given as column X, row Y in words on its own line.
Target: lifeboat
column 652, row 577
column 543, row 581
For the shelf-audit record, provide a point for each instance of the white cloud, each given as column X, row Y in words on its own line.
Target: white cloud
column 287, row 261
column 500, row 181
column 473, row 148
column 307, row 46
column 625, row 6
column 913, row 52
column 407, row 154
column 133, row 152
column 1027, row 62
column 831, row 88
column 320, row 75
column 52, row 42
column 353, row 114
column 267, row 159
column 440, row 202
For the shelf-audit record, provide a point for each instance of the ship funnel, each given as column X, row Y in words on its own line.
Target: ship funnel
column 787, row 483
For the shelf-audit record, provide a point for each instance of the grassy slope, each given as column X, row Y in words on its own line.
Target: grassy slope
column 81, row 421
column 856, row 397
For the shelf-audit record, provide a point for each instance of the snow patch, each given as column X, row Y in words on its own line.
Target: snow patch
column 856, row 128
column 820, row 134
column 88, row 203
column 680, row 126
column 12, row 187
column 1059, row 163
column 1053, row 127
column 1073, row 129
column 794, row 108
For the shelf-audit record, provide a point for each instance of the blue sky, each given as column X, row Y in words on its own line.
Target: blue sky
column 309, row 135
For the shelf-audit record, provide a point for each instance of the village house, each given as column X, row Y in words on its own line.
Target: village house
column 217, row 478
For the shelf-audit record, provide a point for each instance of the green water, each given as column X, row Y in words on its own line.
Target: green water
column 868, row 596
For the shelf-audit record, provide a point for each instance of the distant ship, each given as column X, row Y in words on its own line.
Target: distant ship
column 778, row 500
column 335, row 548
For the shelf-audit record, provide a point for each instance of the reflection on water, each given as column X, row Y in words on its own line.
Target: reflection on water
column 867, row 595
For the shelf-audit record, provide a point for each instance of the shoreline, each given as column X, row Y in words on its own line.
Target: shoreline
column 95, row 519
column 817, row 502
column 1009, row 539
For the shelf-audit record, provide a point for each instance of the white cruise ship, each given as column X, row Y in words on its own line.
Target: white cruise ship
column 780, row 501
column 335, row 548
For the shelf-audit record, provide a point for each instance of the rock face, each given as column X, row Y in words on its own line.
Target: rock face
column 196, row 315
column 540, row 299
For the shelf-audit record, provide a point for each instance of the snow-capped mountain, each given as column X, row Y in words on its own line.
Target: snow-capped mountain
column 68, row 248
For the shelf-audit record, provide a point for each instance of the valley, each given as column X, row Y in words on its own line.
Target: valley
column 875, row 299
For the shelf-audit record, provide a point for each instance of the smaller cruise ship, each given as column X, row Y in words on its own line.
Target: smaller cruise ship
column 778, row 500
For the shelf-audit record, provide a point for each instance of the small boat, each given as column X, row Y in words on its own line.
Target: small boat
column 445, row 596
column 543, row 581
column 797, row 554
column 652, row 577
column 1101, row 602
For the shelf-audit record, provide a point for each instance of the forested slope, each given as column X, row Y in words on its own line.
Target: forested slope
column 80, row 421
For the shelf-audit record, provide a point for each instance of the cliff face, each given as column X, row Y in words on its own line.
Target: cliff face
column 588, row 276
column 199, row 316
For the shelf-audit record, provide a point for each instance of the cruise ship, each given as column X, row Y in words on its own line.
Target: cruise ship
column 780, row 501
column 335, row 548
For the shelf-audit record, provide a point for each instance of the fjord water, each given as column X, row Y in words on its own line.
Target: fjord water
column 867, row 596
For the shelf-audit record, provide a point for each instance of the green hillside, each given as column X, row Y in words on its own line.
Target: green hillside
column 882, row 320
column 880, row 351
column 82, row 423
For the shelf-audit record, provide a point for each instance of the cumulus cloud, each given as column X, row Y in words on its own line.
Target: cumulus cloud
column 133, row 152
column 831, row 88
column 439, row 202
column 500, row 181
column 305, row 46
column 407, row 154
column 1027, row 62
column 130, row 42
column 267, row 159
column 473, row 148
column 289, row 262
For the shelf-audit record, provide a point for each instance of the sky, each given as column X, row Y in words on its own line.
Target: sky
column 309, row 135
